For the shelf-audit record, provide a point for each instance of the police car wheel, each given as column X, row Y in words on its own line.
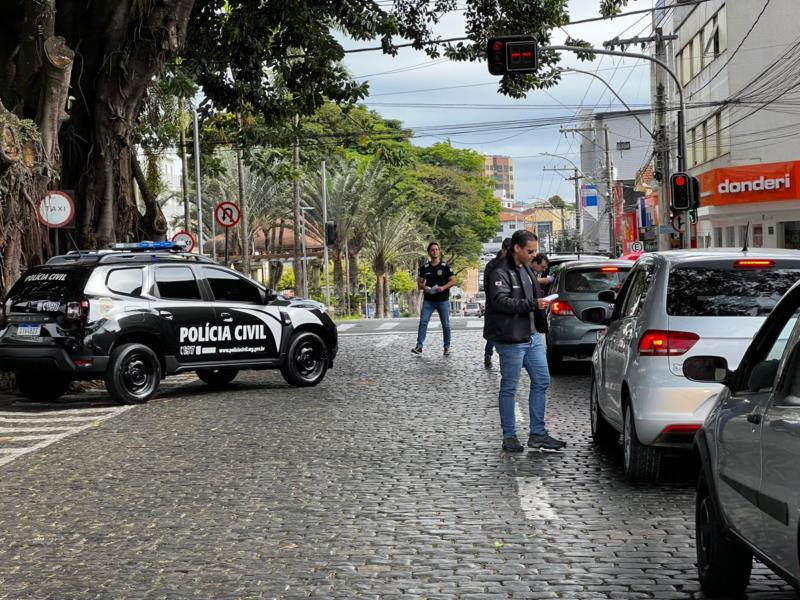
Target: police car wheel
column 35, row 388
column 217, row 377
column 133, row 374
column 306, row 361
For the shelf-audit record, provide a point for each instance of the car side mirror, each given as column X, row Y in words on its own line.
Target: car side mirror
column 595, row 315
column 762, row 377
column 609, row 296
column 706, row 369
column 269, row 295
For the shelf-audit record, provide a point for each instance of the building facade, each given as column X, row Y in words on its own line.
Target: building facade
column 630, row 146
column 738, row 69
column 501, row 170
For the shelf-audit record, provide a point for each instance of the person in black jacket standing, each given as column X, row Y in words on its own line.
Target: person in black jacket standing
column 514, row 318
column 490, row 266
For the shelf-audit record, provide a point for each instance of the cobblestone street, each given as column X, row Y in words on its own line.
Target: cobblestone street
column 386, row 481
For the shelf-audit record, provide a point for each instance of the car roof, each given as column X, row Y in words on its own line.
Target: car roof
column 715, row 254
column 91, row 258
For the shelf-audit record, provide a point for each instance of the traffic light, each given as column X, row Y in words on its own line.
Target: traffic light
column 512, row 54
column 330, row 233
column 682, row 189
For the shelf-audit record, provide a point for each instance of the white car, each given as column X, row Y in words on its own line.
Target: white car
column 472, row 309
column 674, row 305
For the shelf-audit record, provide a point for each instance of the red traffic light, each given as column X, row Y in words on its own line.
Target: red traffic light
column 680, row 180
column 497, row 46
column 512, row 54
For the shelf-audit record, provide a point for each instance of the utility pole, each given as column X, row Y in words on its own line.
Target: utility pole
column 197, row 180
column 661, row 152
column 575, row 178
column 298, row 275
column 611, row 204
column 187, row 217
column 324, row 236
column 243, row 209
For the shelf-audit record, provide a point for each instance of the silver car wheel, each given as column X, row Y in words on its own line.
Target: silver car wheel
column 593, row 407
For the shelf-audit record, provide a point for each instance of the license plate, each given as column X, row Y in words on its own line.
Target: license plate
column 29, row 330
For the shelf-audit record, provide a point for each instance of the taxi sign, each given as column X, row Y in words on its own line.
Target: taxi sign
column 56, row 210
column 227, row 214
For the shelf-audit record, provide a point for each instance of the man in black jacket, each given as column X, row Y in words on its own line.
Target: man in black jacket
column 490, row 266
column 514, row 318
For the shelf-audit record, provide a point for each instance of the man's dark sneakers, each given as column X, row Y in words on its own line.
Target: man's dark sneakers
column 545, row 442
column 416, row 350
column 487, row 362
column 511, row 444
column 447, row 351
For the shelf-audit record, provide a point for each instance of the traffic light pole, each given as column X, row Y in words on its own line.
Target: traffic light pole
column 681, row 153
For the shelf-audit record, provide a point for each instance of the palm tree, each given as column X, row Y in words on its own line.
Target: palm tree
column 391, row 239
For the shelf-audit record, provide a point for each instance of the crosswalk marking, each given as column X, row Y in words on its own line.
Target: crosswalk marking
column 433, row 325
column 388, row 325
column 16, row 427
column 346, row 326
column 474, row 324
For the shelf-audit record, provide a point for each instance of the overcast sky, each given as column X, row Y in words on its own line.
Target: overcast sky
column 398, row 95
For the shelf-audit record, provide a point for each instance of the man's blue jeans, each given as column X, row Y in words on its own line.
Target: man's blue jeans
column 443, row 308
column 513, row 357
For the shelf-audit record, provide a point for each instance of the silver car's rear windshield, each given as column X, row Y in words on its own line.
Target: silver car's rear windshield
column 720, row 292
column 594, row 280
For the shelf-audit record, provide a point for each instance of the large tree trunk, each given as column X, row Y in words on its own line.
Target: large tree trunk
column 379, row 306
column 387, row 295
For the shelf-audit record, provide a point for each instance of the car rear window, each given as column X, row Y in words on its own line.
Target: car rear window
column 718, row 292
column 594, row 279
column 50, row 284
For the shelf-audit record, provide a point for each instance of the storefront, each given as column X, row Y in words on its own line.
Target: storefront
column 765, row 196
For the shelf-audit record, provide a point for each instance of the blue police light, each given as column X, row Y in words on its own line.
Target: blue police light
column 144, row 246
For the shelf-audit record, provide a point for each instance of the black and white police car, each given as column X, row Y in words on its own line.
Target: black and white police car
column 142, row 311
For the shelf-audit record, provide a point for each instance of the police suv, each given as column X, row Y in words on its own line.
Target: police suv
column 142, row 311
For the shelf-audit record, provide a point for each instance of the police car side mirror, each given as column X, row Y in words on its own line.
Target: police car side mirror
column 269, row 295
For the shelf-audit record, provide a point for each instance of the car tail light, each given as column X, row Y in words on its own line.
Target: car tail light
column 666, row 343
column 77, row 311
column 680, row 429
column 560, row 308
column 609, row 269
column 754, row 263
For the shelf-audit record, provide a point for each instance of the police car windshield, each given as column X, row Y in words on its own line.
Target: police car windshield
column 50, row 284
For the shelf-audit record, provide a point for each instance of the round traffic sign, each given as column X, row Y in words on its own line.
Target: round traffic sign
column 185, row 239
column 637, row 247
column 227, row 214
column 56, row 210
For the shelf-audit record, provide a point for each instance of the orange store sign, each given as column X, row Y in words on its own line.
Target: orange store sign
column 751, row 183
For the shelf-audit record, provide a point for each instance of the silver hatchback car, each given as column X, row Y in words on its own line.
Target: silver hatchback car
column 674, row 305
column 748, row 491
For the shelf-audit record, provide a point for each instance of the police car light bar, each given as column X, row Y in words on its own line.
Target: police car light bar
column 145, row 246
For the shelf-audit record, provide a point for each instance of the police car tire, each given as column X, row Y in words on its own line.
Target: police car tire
column 217, row 378
column 297, row 369
column 133, row 374
column 723, row 564
column 36, row 388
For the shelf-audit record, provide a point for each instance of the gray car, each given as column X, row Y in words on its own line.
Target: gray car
column 748, row 491
column 578, row 284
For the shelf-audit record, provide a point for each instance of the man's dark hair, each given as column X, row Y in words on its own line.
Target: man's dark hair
column 521, row 238
column 540, row 258
column 431, row 245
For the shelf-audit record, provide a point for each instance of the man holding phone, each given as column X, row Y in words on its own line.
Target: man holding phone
column 514, row 317
column 435, row 278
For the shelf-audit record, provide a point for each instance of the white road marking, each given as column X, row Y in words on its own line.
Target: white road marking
column 346, row 326
column 534, row 499
column 61, row 428
column 433, row 325
column 474, row 324
column 384, row 326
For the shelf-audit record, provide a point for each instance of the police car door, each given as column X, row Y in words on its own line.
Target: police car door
column 188, row 326
column 252, row 329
